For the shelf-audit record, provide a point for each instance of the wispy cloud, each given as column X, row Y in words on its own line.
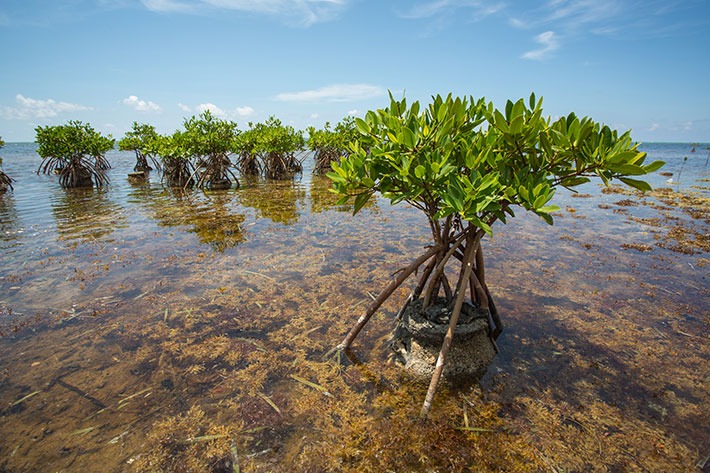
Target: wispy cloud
column 476, row 9
column 632, row 18
column 574, row 16
column 334, row 93
column 27, row 108
column 298, row 12
column 549, row 43
column 141, row 105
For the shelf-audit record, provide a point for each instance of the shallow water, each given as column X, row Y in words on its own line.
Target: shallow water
column 126, row 312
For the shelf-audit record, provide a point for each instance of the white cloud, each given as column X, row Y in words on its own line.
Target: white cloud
column 334, row 93
column 354, row 112
column 549, row 43
column 27, row 108
column 239, row 112
column 654, row 126
column 214, row 109
column 245, row 111
column 314, row 116
column 302, row 12
column 141, row 105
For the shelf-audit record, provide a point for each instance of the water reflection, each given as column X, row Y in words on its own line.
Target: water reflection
column 322, row 199
column 213, row 216
column 9, row 223
column 280, row 201
column 161, row 353
column 86, row 214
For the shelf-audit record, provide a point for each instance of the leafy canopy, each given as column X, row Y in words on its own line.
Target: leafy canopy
column 72, row 141
column 337, row 139
column 461, row 156
column 269, row 137
column 169, row 147
column 207, row 136
column 137, row 138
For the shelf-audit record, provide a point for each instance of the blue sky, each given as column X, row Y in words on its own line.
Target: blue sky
column 640, row 65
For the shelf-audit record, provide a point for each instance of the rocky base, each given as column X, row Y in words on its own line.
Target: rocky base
column 219, row 184
column 418, row 337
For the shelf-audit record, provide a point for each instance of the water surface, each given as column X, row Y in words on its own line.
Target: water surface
column 148, row 328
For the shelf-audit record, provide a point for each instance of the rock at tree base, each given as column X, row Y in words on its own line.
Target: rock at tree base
column 219, row 184
column 137, row 176
column 418, row 337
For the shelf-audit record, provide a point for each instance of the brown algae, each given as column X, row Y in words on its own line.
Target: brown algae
column 197, row 342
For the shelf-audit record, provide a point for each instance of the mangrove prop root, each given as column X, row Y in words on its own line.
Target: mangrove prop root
column 472, row 243
column 441, row 265
column 414, row 295
column 403, row 275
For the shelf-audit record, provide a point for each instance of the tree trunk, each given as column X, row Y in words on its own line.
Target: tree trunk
column 472, row 243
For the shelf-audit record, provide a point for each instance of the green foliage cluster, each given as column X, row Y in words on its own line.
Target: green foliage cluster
column 197, row 155
column 76, row 152
column 270, row 148
column 462, row 156
column 329, row 145
column 467, row 165
column 138, row 140
column 209, row 141
column 173, row 152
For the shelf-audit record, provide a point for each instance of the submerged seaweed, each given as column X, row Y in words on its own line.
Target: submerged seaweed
column 187, row 333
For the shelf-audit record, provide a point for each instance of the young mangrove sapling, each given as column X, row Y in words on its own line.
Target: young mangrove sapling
column 468, row 165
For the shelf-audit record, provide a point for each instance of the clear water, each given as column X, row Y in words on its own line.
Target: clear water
column 121, row 308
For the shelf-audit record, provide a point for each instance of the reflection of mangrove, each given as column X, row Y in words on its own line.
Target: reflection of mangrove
column 278, row 201
column 86, row 213
column 5, row 181
column 323, row 199
column 210, row 215
column 9, row 227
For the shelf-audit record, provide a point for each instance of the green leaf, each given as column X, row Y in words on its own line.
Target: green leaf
column 420, row 171
column 335, row 177
column 549, row 209
column 362, row 126
column 636, row 184
column 654, row 166
column 540, row 201
column 516, row 125
column 408, row 137
column 360, row 201
column 574, row 181
column 623, row 157
column 546, row 217
column 500, row 121
column 628, row 169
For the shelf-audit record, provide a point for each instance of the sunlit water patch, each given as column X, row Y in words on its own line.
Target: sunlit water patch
column 147, row 329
